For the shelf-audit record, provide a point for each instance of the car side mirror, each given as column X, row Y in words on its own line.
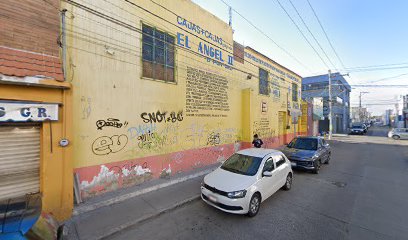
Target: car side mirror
column 267, row 174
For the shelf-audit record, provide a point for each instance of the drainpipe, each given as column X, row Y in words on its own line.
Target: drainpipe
column 64, row 43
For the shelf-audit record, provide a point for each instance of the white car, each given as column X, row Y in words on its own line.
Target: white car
column 246, row 179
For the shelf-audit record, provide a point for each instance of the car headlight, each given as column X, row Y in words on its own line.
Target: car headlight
column 237, row 194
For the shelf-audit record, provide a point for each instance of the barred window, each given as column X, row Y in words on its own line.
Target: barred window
column 294, row 92
column 263, row 82
column 158, row 54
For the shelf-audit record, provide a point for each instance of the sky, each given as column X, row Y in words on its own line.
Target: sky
column 363, row 33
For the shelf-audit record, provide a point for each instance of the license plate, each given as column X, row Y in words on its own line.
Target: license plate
column 293, row 164
column 212, row 198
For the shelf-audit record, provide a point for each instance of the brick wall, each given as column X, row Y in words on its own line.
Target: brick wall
column 31, row 25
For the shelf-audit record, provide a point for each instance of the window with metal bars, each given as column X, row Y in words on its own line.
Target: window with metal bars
column 294, row 92
column 157, row 54
column 263, row 82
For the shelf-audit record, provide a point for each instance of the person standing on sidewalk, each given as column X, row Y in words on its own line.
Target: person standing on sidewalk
column 257, row 142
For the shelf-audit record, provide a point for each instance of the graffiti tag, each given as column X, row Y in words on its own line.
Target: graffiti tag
column 151, row 141
column 105, row 145
column 110, row 122
column 213, row 139
column 162, row 117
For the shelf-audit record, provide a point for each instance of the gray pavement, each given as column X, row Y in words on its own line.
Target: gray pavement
column 361, row 194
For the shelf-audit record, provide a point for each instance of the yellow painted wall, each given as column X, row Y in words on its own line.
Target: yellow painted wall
column 105, row 69
column 56, row 182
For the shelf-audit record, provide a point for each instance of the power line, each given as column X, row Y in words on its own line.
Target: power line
column 267, row 36
column 116, row 21
column 308, row 29
column 325, row 34
column 301, row 32
column 387, row 78
column 376, row 66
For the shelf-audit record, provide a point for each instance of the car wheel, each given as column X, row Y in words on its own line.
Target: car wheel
column 254, row 205
column 328, row 159
column 317, row 165
column 288, row 183
column 396, row 137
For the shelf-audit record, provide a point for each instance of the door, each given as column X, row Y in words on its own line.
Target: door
column 267, row 185
column 404, row 133
column 282, row 127
column 280, row 170
column 19, row 161
column 324, row 151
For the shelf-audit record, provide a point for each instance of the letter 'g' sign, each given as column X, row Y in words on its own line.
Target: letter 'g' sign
column 22, row 112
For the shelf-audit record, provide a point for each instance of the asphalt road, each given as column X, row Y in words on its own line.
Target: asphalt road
column 361, row 194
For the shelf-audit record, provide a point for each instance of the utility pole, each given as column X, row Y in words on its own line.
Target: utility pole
column 230, row 16
column 330, row 108
column 360, row 114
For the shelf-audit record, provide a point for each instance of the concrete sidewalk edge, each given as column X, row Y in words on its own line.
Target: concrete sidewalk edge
column 87, row 208
column 145, row 218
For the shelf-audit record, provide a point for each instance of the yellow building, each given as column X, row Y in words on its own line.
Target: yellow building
column 35, row 117
column 160, row 87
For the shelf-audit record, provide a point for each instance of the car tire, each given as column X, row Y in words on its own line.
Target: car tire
column 254, row 205
column 396, row 137
column 317, row 166
column 288, row 182
column 328, row 159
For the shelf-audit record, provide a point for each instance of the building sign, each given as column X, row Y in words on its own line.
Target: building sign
column 205, row 48
column 23, row 112
column 264, row 107
column 270, row 66
column 318, row 108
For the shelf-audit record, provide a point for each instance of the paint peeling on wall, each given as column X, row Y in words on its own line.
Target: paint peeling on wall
column 115, row 177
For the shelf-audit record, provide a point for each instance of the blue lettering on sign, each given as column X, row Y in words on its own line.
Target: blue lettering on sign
column 199, row 30
column 25, row 112
column 183, row 40
column 212, row 52
column 42, row 112
column 268, row 65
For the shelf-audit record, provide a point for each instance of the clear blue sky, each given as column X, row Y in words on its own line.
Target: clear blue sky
column 363, row 33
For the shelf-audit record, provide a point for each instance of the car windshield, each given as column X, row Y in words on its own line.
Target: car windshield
column 242, row 164
column 303, row 143
column 357, row 126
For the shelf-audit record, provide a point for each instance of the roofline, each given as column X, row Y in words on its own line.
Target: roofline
column 280, row 65
column 326, row 80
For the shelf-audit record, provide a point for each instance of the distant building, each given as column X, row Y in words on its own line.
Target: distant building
column 387, row 117
column 360, row 115
column 405, row 110
column 318, row 86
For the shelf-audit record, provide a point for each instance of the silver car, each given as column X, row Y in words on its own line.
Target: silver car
column 398, row 133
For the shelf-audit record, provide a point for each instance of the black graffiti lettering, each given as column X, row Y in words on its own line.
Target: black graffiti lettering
column 158, row 117
column 213, row 139
column 145, row 119
column 105, row 144
column 110, row 122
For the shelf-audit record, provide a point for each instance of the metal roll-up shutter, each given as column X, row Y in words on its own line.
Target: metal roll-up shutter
column 19, row 161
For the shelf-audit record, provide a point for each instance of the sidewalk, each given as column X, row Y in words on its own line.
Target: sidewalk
column 106, row 215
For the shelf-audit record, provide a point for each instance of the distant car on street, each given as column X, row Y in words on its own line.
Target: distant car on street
column 398, row 133
column 358, row 129
column 246, row 179
column 308, row 153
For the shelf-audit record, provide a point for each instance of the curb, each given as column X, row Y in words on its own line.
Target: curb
column 84, row 209
column 145, row 218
